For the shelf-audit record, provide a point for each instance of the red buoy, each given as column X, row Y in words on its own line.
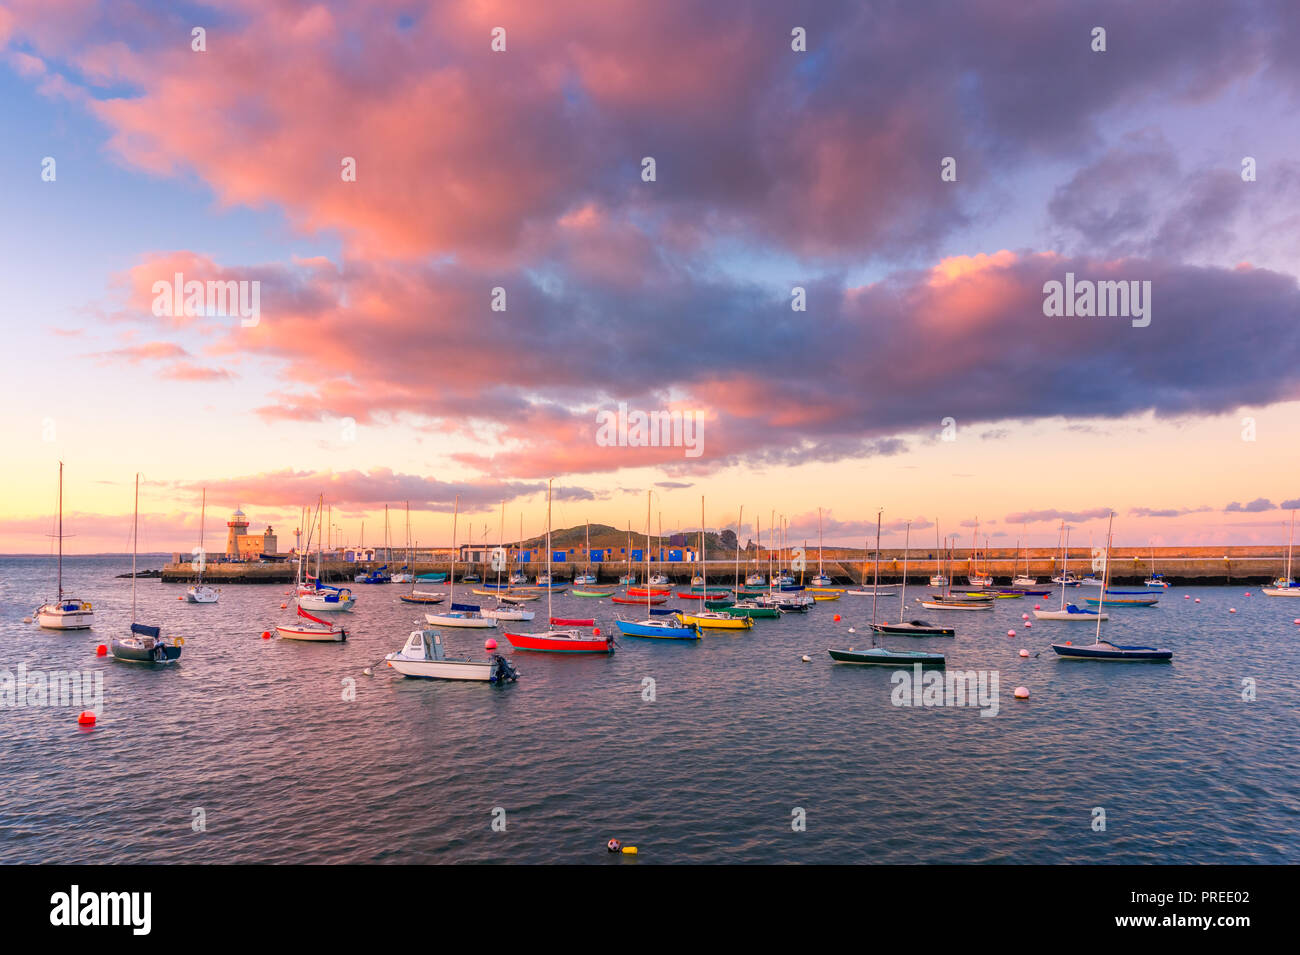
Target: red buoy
column 489, row 644
column 101, row 651
column 836, row 618
column 87, row 718
column 266, row 634
column 596, row 632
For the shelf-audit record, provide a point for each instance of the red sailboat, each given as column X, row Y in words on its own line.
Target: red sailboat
column 559, row 641
column 314, row 629
column 638, row 600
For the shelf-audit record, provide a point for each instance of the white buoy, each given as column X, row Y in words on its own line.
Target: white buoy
column 1022, row 693
column 1024, row 653
column 806, row 658
column 852, row 630
column 367, row 672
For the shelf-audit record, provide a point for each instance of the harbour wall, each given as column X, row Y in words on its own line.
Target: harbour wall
column 1192, row 565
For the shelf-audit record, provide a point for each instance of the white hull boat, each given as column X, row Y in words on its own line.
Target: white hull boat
column 66, row 615
column 312, row 633
column 318, row 601
column 457, row 618
column 509, row 613
column 1072, row 615
column 424, row 657
column 201, row 594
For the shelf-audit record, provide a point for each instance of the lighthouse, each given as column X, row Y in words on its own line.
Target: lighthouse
column 238, row 526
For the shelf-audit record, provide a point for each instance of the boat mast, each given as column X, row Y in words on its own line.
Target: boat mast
column 819, row 542
column 60, row 584
column 1105, row 578
column 203, row 517
column 135, row 531
column 902, row 598
column 455, row 516
column 550, row 588
column 875, row 587
column 1065, row 560
column 739, row 519
column 704, row 557
column 648, row 497
column 502, row 537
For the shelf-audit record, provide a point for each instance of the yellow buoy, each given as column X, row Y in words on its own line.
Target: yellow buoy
column 629, row 850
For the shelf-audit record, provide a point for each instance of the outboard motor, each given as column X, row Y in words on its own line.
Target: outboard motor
column 503, row 670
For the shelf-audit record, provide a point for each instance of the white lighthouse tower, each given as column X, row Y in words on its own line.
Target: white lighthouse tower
column 237, row 527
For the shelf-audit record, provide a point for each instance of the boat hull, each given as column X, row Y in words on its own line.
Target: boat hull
column 321, row 604
column 201, row 595
column 914, row 630
column 878, row 656
column 443, row 669
column 1086, row 616
column 54, row 618
column 560, row 642
column 1118, row 654
column 133, row 653
column 313, row 634
column 421, row 598
column 653, row 631
column 950, row 605
column 716, row 623
column 1124, row 601
column 458, row 620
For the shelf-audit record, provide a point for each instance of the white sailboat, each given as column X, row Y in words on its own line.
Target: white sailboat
column 588, row 577
column 201, row 593
column 939, row 579
column 975, row 578
column 821, row 580
column 143, row 643
column 505, row 608
column 64, row 613
column 1285, row 586
column 1068, row 612
column 1024, row 580
column 467, row 616
column 320, row 597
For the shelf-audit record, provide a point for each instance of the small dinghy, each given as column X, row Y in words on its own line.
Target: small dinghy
column 957, row 604
column 648, row 591
column 440, row 578
column 379, row 576
column 518, row 598
column 618, row 599
column 915, row 628
column 879, row 656
column 1125, row 598
column 312, row 629
column 591, row 593
column 573, row 622
column 423, row 656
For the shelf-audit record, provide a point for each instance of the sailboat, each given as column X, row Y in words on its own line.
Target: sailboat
column 414, row 596
column 877, row 588
column 911, row 628
column 939, row 579
column 558, row 641
column 460, row 615
column 748, row 607
column 709, row 619
column 1285, row 586
column 505, row 609
column 320, row 597
column 657, row 625
column 311, row 629
column 65, row 613
column 1068, row 612
column 949, row 601
column 1155, row 580
column 588, row 578
column 880, row 656
column 974, row 578
column 143, row 644
column 1103, row 649
column 821, row 580
column 1023, row 580
column 200, row 593
column 407, row 574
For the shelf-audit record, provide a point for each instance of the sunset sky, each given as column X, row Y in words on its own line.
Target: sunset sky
column 379, row 372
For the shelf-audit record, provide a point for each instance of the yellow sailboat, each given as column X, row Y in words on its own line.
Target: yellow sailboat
column 715, row 620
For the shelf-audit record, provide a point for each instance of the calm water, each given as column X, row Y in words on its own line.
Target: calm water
column 257, row 735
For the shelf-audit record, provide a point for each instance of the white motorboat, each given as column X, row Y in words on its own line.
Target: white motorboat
column 424, row 656
column 201, row 594
column 658, row 580
column 64, row 613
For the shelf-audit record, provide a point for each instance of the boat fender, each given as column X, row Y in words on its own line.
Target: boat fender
column 179, row 641
column 88, row 607
column 613, row 845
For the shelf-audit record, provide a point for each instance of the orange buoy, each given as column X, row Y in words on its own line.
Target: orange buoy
column 87, row 718
column 101, row 651
column 489, row 644
column 596, row 631
column 836, row 618
column 266, row 634
column 283, row 606
column 180, row 597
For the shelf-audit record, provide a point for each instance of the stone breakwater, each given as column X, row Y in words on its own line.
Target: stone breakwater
column 1190, row 565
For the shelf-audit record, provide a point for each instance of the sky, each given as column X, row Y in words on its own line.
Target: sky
column 922, row 377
